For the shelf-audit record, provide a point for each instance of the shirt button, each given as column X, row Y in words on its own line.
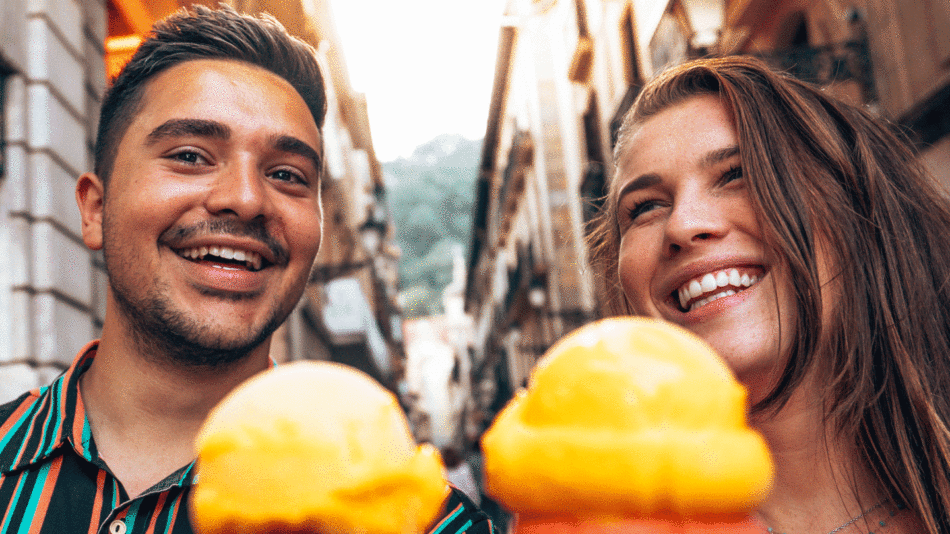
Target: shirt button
column 117, row 527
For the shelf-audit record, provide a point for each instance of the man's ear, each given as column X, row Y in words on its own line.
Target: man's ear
column 90, row 195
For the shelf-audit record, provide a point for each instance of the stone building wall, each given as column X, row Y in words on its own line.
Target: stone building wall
column 51, row 286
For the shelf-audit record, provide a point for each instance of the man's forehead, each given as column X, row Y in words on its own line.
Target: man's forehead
column 175, row 80
column 200, row 88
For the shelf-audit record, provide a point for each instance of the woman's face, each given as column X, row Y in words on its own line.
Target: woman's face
column 691, row 248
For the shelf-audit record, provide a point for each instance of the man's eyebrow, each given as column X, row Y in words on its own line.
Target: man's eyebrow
column 188, row 128
column 292, row 145
column 714, row 157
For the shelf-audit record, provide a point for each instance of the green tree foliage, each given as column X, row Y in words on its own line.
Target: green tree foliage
column 430, row 198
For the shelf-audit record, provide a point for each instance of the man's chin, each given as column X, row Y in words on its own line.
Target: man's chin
column 170, row 335
column 207, row 348
column 198, row 347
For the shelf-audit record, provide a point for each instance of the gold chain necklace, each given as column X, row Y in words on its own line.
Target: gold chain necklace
column 851, row 521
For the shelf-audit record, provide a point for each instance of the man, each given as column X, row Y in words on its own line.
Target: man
column 205, row 201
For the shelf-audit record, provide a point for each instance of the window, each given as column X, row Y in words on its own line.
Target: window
column 4, row 78
column 594, row 181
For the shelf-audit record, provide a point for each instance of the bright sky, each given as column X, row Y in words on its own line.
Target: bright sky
column 426, row 66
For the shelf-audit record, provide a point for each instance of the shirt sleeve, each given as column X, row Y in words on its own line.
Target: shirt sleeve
column 461, row 515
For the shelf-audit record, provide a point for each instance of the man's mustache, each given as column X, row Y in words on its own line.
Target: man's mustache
column 254, row 229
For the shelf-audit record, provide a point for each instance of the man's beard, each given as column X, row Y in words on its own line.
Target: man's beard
column 163, row 333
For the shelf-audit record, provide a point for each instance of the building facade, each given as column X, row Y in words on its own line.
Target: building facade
column 564, row 68
column 50, row 285
column 55, row 60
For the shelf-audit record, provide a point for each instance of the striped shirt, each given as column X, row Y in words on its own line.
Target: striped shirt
column 52, row 480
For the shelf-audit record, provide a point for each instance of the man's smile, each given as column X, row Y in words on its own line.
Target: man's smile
column 224, row 257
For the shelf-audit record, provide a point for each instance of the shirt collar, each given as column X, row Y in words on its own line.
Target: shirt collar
column 52, row 416
column 49, row 417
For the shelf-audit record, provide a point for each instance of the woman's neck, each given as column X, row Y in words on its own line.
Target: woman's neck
column 820, row 480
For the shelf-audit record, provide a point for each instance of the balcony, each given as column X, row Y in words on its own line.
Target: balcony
column 825, row 65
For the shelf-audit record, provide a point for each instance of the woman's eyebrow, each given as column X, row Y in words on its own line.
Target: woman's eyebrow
column 714, row 157
column 640, row 182
column 709, row 159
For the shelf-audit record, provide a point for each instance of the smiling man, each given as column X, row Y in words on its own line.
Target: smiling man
column 205, row 202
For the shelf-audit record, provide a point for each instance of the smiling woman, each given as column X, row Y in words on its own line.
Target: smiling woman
column 802, row 239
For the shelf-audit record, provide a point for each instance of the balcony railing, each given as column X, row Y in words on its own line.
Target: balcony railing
column 520, row 157
column 824, row 65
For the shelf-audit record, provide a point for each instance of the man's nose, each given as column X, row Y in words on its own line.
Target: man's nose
column 240, row 189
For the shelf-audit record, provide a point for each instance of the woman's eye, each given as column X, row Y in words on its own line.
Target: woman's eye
column 641, row 208
column 731, row 175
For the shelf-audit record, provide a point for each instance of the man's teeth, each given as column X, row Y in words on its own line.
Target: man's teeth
column 252, row 259
column 710, row 282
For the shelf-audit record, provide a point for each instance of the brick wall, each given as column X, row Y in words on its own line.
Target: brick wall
column 51, row 286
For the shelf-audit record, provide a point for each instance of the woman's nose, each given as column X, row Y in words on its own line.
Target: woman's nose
column 695, row 220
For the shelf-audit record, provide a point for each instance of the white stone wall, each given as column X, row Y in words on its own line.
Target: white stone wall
column 51, row 287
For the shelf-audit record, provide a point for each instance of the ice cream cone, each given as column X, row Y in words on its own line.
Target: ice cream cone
column 314, row 447
column 628, row 425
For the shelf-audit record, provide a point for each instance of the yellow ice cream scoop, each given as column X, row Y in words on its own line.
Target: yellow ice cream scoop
column 628, row 418
column 314, row 447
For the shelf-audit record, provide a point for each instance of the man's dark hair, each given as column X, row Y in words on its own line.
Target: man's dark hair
column 204, row 33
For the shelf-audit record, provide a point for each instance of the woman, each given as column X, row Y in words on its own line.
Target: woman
column 802, row 239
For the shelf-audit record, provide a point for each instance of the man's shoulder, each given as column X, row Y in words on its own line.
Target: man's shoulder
column 463, row 515
column 17, row 406
column 14, row 416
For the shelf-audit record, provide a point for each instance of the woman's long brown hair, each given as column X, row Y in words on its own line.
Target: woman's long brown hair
column 825, row 174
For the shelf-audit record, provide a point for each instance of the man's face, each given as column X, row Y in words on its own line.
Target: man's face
column 211, row 218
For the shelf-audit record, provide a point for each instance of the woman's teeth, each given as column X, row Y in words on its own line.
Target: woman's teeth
column 707, row 287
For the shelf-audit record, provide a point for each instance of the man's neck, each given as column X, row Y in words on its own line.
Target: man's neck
column 145, row 414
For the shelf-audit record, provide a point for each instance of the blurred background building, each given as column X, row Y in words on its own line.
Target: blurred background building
column 56, row 57
column 568, row 70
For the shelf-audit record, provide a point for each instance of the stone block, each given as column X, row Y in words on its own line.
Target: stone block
column 95, row 74
column 13, row 30
column 21, row 329
column 93, row 103
column 11, row 313
column 65, row 16
column 15, row 380
column 95, row 19
column 16, row 109
column 16, row 260
column 61, row 330
column 54, row 193
column 46, row 374
column 61, row 264
column 51, row 62
column 14, row 195
column 53, row 128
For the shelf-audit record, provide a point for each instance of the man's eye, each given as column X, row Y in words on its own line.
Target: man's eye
column 189, row 157
column 285, row 175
